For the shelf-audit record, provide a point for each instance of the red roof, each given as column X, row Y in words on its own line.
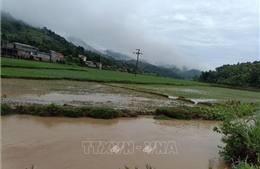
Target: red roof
column 58, row 54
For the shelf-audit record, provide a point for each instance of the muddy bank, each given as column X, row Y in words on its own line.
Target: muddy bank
column 57, row 142
column 205, row 112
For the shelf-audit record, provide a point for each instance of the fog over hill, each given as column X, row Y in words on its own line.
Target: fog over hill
column 185, row 33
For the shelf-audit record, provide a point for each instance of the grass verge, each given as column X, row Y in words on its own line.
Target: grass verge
column 214, row 112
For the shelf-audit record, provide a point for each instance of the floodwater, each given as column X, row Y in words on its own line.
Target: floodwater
column 75, row 93
column 56, row 142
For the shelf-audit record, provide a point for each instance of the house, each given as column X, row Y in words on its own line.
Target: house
column 43, row 56
column 18, row 50
column 90, row 64
column 56, row 56
column 59, row 55
column 24, row 51
column 82, row 57
column 99, row 65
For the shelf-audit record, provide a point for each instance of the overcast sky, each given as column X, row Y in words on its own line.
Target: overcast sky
column 201, row 34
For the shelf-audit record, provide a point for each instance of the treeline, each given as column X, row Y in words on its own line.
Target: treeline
column 240, row 74
column 13, row 30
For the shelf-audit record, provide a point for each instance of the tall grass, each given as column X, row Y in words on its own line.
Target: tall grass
column 242, row 140
column 215, row 112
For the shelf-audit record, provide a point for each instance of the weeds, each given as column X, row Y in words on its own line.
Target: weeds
column 104, row 113
column 242, row 140
column 5, row 109
column 244, row 165
column 161, row 117
column 214, row 112
column 54, row 110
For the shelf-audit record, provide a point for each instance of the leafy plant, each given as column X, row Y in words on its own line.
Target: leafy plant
column 241, row 138
column 5, row 109
column 104, row 113
column 161, row 117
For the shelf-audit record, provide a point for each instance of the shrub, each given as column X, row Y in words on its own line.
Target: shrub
column 241, row 138
column 181, row 112
column 214, row 112
column 244, row 165
column 73, row 112
column 104, row 113
column 55, row 110
column 5, row 109
column 161, row 117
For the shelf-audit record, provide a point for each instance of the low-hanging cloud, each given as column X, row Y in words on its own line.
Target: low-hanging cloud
column 202, row 34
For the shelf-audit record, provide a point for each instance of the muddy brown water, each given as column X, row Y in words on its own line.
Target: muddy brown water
column 57, row 143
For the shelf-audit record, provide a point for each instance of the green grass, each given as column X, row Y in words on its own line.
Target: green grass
column 214, row 112
column 18, row 68
column 197, row 92
column 20, row 63
column 241, row 138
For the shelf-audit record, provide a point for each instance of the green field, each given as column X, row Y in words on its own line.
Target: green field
column 18, row 68
column 197, row 92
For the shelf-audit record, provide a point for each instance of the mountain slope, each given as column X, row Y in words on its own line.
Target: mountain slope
column 152, row 69
column 80, row 42
column 117, row 55
column 13, row 30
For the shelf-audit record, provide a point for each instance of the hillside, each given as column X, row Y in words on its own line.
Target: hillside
column 240, row 74
column 154, row 70
column 44, row 39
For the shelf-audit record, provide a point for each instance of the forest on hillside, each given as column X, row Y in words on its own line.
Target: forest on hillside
column 44, row 39
column 240, row 74
column 13, row 30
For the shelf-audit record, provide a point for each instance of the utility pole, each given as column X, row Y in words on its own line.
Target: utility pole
column 137, row 53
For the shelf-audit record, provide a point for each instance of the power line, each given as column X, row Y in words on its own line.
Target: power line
column 137, row 53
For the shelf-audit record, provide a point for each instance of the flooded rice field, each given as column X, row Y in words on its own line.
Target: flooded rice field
column 79, row 93
column 63, row 143
column 52, row 142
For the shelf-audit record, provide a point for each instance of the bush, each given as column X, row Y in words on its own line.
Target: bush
column 55, row 110
column 73, row 112
column 5, row 109
column 241, row 138
column 214, row 112
column 244, row 165
column 161, row 117
column 104, row 113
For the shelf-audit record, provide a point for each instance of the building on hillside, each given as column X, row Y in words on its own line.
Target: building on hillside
column 82, row 57
column 99, row 65
column 59, row 55
column 56, row 56
column 90, row 64
column 43, row 56
column 18, row 50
